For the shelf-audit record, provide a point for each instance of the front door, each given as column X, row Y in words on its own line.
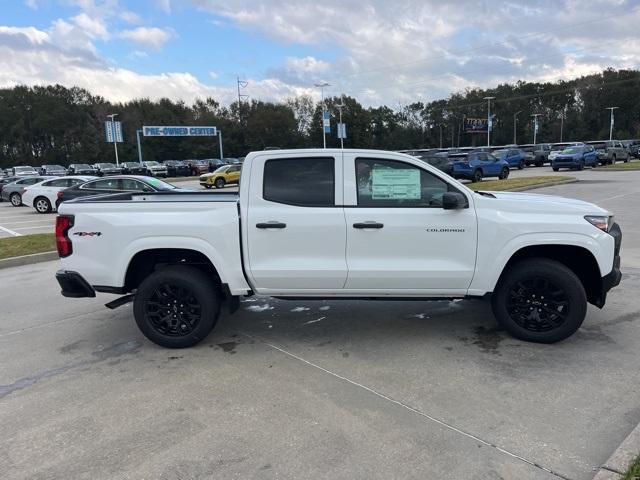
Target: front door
column 295, row 225
column 399, row 238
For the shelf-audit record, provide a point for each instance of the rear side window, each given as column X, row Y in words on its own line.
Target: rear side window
column 305, row 182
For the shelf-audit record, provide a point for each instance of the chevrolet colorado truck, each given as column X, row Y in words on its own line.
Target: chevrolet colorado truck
column 339, row 224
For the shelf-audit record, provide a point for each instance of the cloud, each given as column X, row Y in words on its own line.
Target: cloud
column 152, row 37
column 425, row 48
column 93, row 27
column 130, row 17
column 164, row 5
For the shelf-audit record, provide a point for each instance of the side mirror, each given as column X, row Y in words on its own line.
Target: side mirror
column 453, row 201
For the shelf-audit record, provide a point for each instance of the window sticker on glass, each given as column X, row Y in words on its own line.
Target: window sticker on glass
column 395, row 184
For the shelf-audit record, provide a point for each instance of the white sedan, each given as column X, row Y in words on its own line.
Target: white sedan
column 42, row 196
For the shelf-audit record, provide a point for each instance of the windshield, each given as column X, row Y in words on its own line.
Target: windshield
column 222, row 169
column 500, row 153
column 160, row 185
column 106, row 165
column 571, row 150
column 81, row 165
column 54, row 167
column 151, row 164
column 24, row 169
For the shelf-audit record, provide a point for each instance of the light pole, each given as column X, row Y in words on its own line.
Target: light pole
column 562, row 115
column 113, row 132
column 488, row 99
column 611, row 122
column 535, row 126
column 440, row 135
column 321, row 86
column 515, row 120
column 340, row 107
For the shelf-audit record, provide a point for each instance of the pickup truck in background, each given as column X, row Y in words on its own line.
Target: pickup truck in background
column 610, row 151
column 339, row 224
column 538, row 154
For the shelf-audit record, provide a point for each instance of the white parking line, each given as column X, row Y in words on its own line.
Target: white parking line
column 10, row 232
column 43, row 220
column 35, row 228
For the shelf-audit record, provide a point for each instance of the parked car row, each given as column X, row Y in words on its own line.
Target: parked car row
column 45, row 193
column 168, row 168
column 476, row 163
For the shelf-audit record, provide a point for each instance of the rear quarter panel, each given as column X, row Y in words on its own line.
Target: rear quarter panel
column 115, row 231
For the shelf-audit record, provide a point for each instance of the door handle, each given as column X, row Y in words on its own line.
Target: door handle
column 374, row 225
column 271, row 224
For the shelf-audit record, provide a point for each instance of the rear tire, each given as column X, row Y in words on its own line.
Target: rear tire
column 220, row 183
column 504, row 174
column 580, row 165
column 477, row 176
column 539, row 300
column 521, row 165
column 555, row 169
column 15, row 199
column 191, row 310
column 42, row 205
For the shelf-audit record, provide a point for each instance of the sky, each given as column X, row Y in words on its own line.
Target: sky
column 381, row 52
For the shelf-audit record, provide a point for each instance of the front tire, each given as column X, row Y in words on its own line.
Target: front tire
column 477, row 176
column 177, row 306
column 580, row 165
column 555, row 169
column 504, row 174
column 539, row 300
column 521, row 165
column 15, row 199
column 42, row 205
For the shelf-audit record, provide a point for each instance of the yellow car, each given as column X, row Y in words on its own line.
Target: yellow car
column 228, row 174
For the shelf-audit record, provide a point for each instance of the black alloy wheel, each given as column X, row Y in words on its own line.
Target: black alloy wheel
column 537, row 304
column 539, row 300
column 177, row 306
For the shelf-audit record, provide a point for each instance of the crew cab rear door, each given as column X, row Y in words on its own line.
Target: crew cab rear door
column 295, row 226
column 399, row 238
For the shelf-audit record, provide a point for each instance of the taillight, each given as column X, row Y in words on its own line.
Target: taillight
column 63, row 242
column 60, row 194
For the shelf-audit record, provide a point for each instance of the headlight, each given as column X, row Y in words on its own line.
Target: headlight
column 602, row 222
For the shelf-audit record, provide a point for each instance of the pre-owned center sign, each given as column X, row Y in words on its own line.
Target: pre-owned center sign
column 179, row 131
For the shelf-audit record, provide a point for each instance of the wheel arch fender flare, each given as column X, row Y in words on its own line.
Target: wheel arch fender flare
column 175, row 243
column 517, row 245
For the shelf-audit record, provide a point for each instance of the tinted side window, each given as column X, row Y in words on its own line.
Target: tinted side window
column 307, row 182
column 132, row 185
column 392, row 183
column 111, row 184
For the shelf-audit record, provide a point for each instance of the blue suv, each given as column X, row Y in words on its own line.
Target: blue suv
column 514, row 156
column 575, row 158
column 480, row 164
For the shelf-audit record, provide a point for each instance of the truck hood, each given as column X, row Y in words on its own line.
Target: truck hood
column 549, row 203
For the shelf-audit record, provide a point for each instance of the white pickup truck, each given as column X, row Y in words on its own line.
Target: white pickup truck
column 339, row 224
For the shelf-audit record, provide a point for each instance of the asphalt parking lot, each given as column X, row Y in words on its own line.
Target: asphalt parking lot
column 319, row 389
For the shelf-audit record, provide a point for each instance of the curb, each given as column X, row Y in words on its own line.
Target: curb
column 533, row 187
column 542, row 185
column 605, row 170
column 619, row 462
column 28, row 259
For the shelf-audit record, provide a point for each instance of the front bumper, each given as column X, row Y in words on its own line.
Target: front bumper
column 74, row 285
column 613, row 278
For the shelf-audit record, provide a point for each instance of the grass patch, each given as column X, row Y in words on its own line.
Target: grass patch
column 632, row 165
column 511, row 183
column 17, row 246
column 634, row 470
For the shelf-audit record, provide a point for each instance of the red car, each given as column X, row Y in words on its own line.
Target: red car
column 198, row 167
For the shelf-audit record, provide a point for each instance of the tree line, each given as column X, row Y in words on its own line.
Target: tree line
column 55, row 124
